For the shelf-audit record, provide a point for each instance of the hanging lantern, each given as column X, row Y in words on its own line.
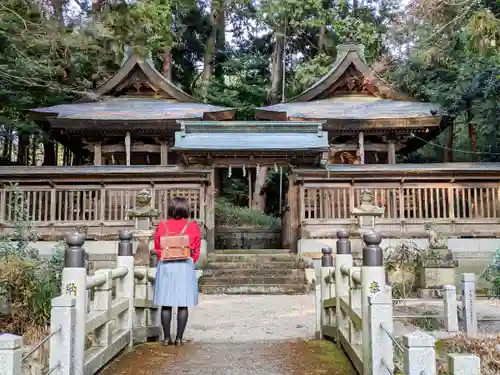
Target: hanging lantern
column 275, row 168
column 229, row 172
column 257, row 170
column 244, row 171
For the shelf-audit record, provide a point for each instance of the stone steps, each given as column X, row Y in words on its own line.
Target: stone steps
column 238, row 271
column 242, row 280
column 253, row 265
column 256, row 289
column 253, row 272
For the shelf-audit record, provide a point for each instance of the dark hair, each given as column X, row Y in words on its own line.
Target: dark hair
column 179, row 209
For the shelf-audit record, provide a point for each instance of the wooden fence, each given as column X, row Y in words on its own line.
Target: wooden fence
column 460, row 203
column 67, row 197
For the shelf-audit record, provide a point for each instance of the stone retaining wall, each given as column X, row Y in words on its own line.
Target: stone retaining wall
column 247, row 238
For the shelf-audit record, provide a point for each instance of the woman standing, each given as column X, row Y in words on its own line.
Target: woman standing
column 176, row 283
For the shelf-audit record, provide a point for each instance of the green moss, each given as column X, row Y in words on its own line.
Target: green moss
column 332, row 356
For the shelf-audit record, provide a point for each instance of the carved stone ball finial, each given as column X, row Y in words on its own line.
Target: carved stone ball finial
column 343, row 243
column 327, row 258
column 75, row 239
column 372, row 238
column 342, row 234
column 125, row 244
column 372, row 252
column 125, row 235
column 74, row 256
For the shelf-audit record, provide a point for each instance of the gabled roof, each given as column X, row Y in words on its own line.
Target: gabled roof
column 136, row 92
column 351, row 60
column 251, row 136
column 158, row 82
column 351, row 93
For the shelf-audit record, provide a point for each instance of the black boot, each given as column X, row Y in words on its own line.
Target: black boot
column 166, row 318
column 182, row 318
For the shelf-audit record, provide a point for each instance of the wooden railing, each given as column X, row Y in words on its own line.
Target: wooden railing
column 71, row 197
column 96, row 317
column 354, row 307
column 465, row 204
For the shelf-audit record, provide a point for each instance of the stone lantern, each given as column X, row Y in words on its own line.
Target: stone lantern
column 367, row 212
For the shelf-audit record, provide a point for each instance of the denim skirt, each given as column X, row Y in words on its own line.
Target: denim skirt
column 176, row 284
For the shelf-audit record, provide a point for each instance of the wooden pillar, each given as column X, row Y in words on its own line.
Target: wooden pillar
column 97, row 153
column 391, row 153
column 250, row 195
column 361, row 148
column 127, row 147
column 164, row 153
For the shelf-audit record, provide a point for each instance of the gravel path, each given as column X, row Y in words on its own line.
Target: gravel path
column 243, row 318
column 242, row 335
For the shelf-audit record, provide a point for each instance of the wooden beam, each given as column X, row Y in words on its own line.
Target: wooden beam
column 391, row 153
column 377, row 147
column 97, row 153
column 134, row 147
column 164, row 153
column 361, row 148
column 127, row 147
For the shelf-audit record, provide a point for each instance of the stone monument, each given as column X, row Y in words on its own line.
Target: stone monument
column 143, row 215
column 437, row 264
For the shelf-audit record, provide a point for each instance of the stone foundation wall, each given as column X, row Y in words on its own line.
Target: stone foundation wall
column 247, row 238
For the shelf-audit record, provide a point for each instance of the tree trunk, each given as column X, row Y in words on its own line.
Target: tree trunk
column 258, row 199
column 217, row 6
column 449, row 136
column 322, row 40
column 22, row 155
column 167, row 64
column 277, row 64
column 49, row 153
column 472, row 132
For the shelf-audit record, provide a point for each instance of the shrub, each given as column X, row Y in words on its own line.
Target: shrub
column 492, row 275
column 229, row 215
column 28, row 282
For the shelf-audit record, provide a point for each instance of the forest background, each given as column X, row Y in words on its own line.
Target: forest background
column 248, row 53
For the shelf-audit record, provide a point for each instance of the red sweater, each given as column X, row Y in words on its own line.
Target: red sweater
column 175, row 227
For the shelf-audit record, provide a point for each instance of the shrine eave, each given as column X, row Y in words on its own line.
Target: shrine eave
column 130, row 110
column 356, row 111
column 251, row 136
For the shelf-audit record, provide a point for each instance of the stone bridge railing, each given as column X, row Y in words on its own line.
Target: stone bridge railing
column 96, row 317
column 355, row 308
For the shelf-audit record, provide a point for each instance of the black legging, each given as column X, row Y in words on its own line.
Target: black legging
column 166, row 318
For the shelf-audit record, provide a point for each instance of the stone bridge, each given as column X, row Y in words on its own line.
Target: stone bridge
column 106, row 323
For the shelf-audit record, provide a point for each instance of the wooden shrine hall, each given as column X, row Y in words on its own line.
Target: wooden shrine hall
column 139, row 131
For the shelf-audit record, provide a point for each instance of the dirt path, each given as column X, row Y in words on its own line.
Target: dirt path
column 297, row 357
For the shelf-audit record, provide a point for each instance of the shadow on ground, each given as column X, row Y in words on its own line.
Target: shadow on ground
column 295, row 357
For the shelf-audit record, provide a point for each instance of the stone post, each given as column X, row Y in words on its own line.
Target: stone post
column 468, row 284
column 153, row 314
column 74, row 284
column 450, row 308
column 464, row 364
column 62, row 344
column 342, row 259
column 11, row 353
column 372, row 283
column 381, row 360
column 327, row 269
column 125, row 286
column 318, row 308
column 419, row 354
column 143, row 215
